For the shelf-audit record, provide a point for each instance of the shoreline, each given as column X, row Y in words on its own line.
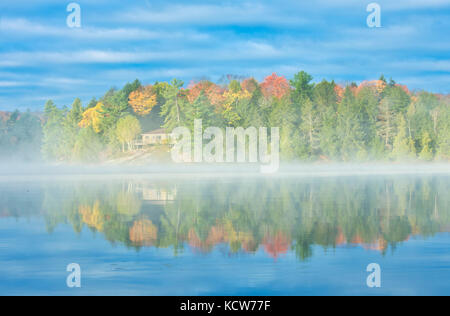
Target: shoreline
column 85, row 172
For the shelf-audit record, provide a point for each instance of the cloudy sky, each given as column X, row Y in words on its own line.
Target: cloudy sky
column 42, row 58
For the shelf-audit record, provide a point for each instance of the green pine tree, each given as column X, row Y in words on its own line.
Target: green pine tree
column 427, row 151
column 403, row 145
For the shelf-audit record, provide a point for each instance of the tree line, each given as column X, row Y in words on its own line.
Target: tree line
column 376, row 120
column 20, row 136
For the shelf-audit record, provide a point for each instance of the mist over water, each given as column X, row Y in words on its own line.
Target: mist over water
column 11, row 169
column 306, row 230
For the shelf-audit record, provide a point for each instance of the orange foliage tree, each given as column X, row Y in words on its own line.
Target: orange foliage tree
column 377, row 85
column 143, row 233
column 142, row 100
column 277, row 244
column 275, row 86
column 213, row 92
column 250, row 85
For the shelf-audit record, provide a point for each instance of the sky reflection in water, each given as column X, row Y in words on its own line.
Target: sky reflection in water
column 234, row 236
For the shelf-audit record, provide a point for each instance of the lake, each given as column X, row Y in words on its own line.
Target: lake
column 225, row 235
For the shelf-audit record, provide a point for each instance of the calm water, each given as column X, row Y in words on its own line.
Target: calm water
column 231, row 236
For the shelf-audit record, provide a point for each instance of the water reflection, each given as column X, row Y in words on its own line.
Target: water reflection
column 276, row 215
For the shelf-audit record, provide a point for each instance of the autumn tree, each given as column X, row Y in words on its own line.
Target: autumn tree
column 92, row 117
column 211, row 91
column 373, row 120
column 275, row 86
column 235, row 103
column 143, row 100
column 127, row 129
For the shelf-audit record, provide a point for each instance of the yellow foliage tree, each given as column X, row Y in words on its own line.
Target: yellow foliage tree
column 92, row 117
column 92, row 216
column 142, row 100
column 230, row 104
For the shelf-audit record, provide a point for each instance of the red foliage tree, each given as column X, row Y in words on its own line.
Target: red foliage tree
column 213, row 92
column 275, row 86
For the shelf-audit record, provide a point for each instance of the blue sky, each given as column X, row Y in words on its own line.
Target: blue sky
column 41, row 58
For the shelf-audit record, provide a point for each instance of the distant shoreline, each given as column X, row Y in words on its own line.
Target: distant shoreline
column 84, row 172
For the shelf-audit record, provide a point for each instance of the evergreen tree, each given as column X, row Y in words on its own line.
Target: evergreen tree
column 421, row 117
column 52, row 140
column 173, row 110
column 91, row 104
column 350, row 128
column 325, row 103
column 403, row 145
column 324, row 95
column 310, row 127
column 130, row 87
column 386, row 122
column 374, row 120
column 303, row 88
column 88, row 146
column 201, row 109
column 285, row 116
column 23, row 136
column 427, row 151
column 70, row 129
column 443, row 132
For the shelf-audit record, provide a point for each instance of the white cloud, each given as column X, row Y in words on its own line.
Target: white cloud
column 421, row 65
column 28, row 28
column 6, row 84
column 327, row 38
column 211, row 14
column 389, row 5
column 233, row 51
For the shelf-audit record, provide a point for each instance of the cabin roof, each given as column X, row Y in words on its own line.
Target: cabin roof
column 156, row 131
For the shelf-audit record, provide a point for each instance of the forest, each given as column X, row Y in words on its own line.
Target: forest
column 377, row 120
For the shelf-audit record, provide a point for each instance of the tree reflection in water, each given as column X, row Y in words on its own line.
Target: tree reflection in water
column 275, row 215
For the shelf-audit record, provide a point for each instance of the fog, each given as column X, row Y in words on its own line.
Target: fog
column 17, row 171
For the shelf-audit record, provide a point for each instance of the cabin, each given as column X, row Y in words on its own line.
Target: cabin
column 157, row 137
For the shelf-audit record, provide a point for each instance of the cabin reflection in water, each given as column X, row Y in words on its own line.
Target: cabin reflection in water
column 157, row 195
